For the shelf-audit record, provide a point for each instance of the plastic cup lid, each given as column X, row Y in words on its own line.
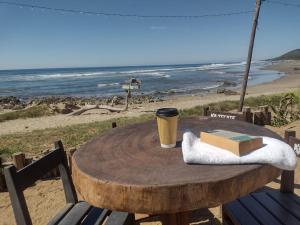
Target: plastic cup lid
column 167, row 112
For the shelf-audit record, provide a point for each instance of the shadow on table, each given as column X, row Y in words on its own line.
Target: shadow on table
column 178, row 144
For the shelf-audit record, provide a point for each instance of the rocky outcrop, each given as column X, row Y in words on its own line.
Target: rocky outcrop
column 227, row 91
column 11, row 102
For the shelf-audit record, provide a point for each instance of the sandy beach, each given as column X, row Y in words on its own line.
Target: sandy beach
column 289, row 82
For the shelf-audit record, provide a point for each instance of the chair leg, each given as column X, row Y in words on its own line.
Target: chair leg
column 131, row 219
column 120, row 218
column 287, row 181
column 225, row 218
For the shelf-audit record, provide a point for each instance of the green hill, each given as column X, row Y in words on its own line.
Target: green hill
column 292, row 55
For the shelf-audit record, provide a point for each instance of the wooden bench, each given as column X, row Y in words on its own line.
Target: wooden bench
column 261, row 117
column 75, row 212
column 268, row 207
column 246, row 115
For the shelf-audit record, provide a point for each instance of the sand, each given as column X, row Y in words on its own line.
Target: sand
column 44, row 200
column 27, row 125
column 286, row 83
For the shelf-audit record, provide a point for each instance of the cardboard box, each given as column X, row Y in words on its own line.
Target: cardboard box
column 237, row 143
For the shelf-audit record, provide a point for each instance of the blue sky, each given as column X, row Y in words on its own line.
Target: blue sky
column 42, row 39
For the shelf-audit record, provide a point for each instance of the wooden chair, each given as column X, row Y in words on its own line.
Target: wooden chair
column 75, row 212
column 268, row 207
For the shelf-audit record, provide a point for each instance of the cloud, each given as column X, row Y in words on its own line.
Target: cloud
column 158, row 27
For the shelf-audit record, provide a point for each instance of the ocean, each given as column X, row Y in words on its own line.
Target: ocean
column 162, row 80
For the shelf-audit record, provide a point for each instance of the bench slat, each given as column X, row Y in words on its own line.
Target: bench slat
column 258, row 211
column 294, row 198
column 286, row 203
column 59, row 216
column 36, row 170
column 238, row 214
column 96, row 216
column 283, row 215
column 76, row 214
column 120, row 218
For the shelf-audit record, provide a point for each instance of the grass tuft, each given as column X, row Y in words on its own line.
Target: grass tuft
column 72, row 136
column 32, row 112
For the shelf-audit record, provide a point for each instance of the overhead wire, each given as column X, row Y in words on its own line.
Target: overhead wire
column 284, row 3
column 101, row 13
column 113, row 14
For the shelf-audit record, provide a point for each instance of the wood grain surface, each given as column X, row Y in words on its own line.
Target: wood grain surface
column 125, row 169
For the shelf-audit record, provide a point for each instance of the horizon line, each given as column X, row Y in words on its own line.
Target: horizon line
column 120, row 66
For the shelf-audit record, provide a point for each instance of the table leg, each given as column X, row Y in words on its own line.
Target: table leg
column 176, row 219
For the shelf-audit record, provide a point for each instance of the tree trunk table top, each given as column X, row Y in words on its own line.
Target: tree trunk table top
column 125, row 169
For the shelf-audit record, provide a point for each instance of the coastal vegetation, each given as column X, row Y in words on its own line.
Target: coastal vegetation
column 253, row 102
column 60, row 105
column 57, row 105
column 287, row 111
column 75, row 135
column 72, row 136
column 291, row 55
column 31, row 112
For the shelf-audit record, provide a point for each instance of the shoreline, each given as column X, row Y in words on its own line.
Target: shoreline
column 177, row 85
column 289, row 82
column 12, row 102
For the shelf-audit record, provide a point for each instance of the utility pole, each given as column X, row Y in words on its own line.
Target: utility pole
column 250, row 51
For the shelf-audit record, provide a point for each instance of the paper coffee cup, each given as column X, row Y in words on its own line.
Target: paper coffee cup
column 167, row 119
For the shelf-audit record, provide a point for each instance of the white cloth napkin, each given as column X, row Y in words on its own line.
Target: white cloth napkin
column 274, row 152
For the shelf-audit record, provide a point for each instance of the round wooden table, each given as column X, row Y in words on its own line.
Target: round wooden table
column 125, row 169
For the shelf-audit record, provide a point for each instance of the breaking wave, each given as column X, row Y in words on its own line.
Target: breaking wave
column 212, row 86
column 107, row 85
column 160, row 72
